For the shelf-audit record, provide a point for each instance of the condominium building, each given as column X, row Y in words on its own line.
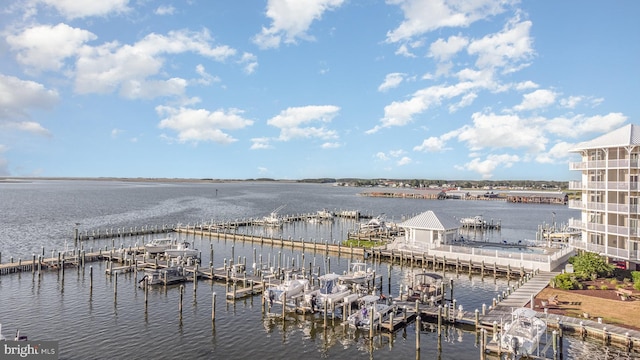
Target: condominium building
column 610, row 171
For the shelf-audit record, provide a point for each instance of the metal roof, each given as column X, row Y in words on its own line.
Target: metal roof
column 625, row 136
column 430, row 221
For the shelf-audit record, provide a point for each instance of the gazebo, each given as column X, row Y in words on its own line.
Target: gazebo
column 428, row 230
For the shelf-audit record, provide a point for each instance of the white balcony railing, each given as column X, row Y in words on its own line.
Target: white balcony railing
column 575, row 185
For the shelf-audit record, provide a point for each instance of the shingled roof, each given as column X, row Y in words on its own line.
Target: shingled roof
column 624, row 136
column 430, row 221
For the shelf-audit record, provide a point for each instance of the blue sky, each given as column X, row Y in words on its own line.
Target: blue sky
column 290, row 89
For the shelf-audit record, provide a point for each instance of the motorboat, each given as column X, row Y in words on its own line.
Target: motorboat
column 292, row 287
column 158, row 246
column 376, row 223
column 425, row 287
column 358, row 274
column 273, row 219
column 330, row 291
column 521, row 336
column 325, row 214
column 182, row 250
column 166, row 276
column 474, row 221
column 372, row 307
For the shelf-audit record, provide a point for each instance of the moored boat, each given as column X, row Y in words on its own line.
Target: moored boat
column 372, row 307
column 521, row 336
column 182, row 250
column 158, row 246
column 166, row 276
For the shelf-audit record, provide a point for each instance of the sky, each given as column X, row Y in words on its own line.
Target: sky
column 295, row 89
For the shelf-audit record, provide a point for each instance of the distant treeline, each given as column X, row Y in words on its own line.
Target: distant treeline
column 467, row 184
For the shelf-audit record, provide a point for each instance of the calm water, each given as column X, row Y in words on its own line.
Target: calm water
column 44, row 213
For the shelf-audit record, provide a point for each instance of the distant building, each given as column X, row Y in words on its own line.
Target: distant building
column 428, row 230
column 610, row 170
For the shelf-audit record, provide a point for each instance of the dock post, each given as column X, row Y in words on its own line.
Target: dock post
column 439, row 319
column 389, row 278
column 62, row 268
column 284, row 304
column 483, row 344
column 418, row 333
column 325, row 313
column 555, row 344
column 213, row 307
column 482, row 270
column 495, row 271
column 145, row 288
column 484, row 309
column 90, row 280
column 477, row 318
column 33, row 264
column 450, row 289
column 115, row 288
column 181, row 298
column 371, row 324
column 495, row 330
column 560, row 336
column 211, row 253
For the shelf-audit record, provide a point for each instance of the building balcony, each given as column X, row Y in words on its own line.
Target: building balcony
column 604, row 185
column 609, row 251
column 575, row 185
column 604, row 164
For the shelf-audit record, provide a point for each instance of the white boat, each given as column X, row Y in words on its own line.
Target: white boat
column 158, row 246
column 164, row 276
column 474, row 221
column 2, row 338
column 377, row 223
column 371, row 307
column 357, row 274
column 325, row 214
column 181, row 250
column 522, row 334
column 330, row 291
column 273, row 220
column 292, row 287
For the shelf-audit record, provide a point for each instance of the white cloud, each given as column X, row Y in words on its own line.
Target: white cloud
column 195, row 125
column 557, row 154
column 443, row 50
column 422, row 16
column 538, row 99
column 505, row 49
column 262, row 170
column 249, row 61
column 403, row 50
column 400, row 113
column 261, row 143
column 72, row 9
column 405, row 160
column 111, row 67
column 486, row 167
column 391, row 81
column 205, row 77
column 526, row 85
column 431, row 144
column 165, row 10
column 290, row 20
column 381, row 156
column 571, row 101
column 291, row 121
column 331, row 145
column 497, row 131
column 45, row 47
column 18, row 97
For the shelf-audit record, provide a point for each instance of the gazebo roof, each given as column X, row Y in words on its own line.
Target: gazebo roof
column 428, row 220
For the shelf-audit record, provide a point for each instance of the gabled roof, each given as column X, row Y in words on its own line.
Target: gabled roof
column 624, row 136
column 430, row 221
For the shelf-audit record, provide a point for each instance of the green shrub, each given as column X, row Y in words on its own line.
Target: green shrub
column 626, row 281
column 592, row 265
column 591, row 287
column 619, row 286
column 637, row 286
column 604, row 287
column 614, row 282
column 565, row 282
column 635, row 275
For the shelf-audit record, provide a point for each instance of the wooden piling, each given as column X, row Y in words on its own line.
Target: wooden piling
column 213, row 307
